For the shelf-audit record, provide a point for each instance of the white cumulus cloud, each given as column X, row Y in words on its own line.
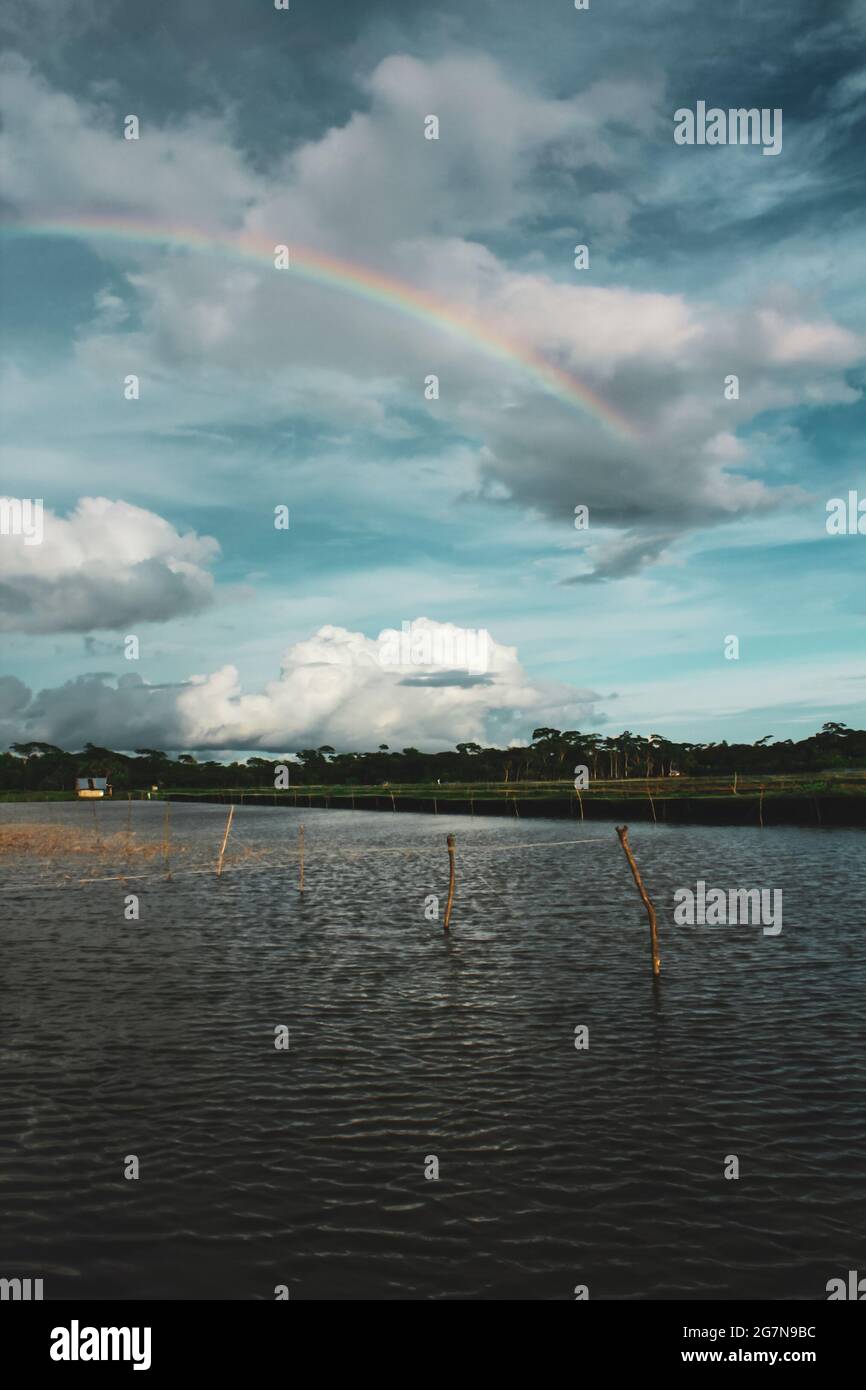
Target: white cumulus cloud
column 332, row 688
column 107, row 565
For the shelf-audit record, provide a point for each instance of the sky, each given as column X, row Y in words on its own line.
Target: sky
column 443, row 510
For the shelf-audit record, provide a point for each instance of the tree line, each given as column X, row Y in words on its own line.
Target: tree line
column 552, row 754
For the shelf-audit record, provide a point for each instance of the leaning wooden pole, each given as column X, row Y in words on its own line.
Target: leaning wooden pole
column 622, row 832
column 225, row 841
column 301, row 859
column 450, row 840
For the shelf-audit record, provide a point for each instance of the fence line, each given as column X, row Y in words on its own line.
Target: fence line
column 263, row 864
column 278, row 858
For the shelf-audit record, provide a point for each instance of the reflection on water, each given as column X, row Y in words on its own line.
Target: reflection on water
column 557, row 1166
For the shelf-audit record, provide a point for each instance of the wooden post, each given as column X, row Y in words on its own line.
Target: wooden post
column 761, row 808
column 450, row 902
column 166, row 839
column 128, row 827
column 96, row 825
column 225, row 841
column 622, row 832
column 301, row 859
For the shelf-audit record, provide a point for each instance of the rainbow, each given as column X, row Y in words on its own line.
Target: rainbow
column 359, row 280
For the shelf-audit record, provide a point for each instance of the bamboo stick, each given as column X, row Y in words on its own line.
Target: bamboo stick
column 450, row 841
column 97, row 836
column 166, row 839
column 225, row 841
column 129, row 828
column 301, row 859
column 622, row 832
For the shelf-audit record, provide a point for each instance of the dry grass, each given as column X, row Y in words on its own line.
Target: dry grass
column 47, row 841
column 122, row 849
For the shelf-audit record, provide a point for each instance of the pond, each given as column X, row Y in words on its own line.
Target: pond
column 285, row 1068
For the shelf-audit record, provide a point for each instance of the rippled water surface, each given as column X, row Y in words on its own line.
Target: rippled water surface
column 558, row 1167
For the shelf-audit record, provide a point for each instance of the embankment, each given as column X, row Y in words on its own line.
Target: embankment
column 822, row 809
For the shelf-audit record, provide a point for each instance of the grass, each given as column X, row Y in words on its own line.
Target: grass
column 37, row 796
column 123, row 850
column 657, row 787
column 660, row 788
column 47, row 841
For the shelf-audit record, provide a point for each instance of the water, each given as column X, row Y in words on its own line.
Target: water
column 558, row 1167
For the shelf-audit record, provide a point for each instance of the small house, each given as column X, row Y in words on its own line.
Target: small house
column 93, row 786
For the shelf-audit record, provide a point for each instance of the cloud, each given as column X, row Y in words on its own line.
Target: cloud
column 621, row 556
column 50, row 26
column 111, row 311
column 332, row 688
column 657, row 359
column 109, row 565
column 60, row 153
column 14, row 697
column 497, row 141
